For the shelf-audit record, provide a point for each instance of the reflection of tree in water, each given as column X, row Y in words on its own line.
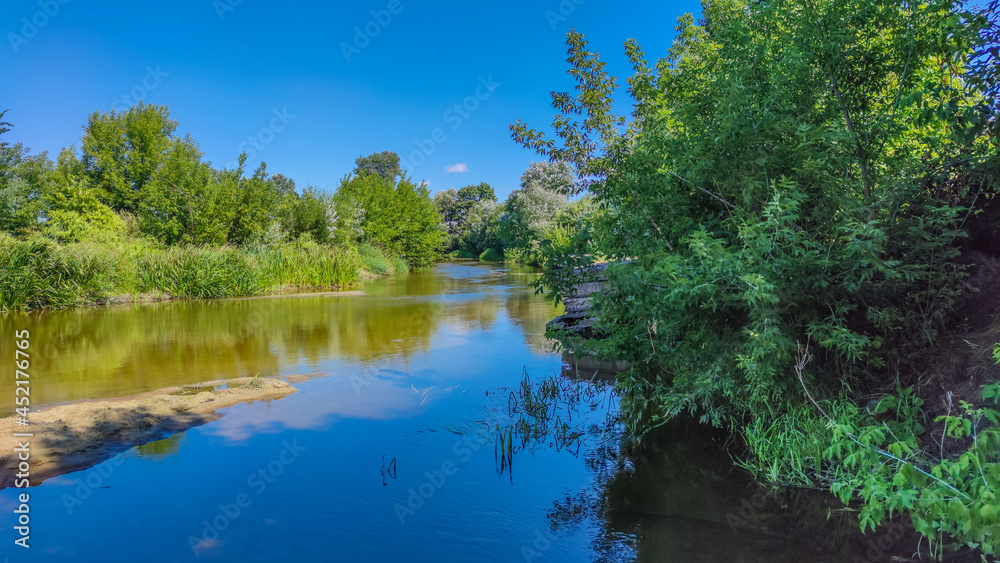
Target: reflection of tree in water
column 162, row 448
column 531, row 313
column 476, row 314
column 676, row 496
column 125, row 350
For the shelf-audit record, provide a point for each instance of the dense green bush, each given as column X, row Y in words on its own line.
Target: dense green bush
column 792, row 173
column 490, row 255
column 399, row 218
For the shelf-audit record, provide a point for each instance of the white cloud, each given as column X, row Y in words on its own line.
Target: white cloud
column 459, row 168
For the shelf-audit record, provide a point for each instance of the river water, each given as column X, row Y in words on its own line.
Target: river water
column 389, row 450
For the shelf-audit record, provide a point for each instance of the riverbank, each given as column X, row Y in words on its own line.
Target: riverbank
column 74, row 436
column 40, row 273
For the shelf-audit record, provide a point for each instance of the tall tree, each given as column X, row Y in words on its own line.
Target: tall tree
column 384, row 164
column 122, row 151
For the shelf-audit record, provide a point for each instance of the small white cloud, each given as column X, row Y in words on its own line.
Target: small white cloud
column 459, row 168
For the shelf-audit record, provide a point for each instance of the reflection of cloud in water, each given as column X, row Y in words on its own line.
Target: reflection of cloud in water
column 367, row 397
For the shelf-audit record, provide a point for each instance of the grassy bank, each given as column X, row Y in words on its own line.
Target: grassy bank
column 38, row 273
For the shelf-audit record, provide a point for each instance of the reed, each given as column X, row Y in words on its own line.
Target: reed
column 38, row 273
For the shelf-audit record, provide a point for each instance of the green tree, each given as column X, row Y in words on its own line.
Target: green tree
column 530, row 211
column 792, row 173
column 384, row 164
column 177, row 204
column 24, row 180
column 254, row 202
column 402, row 219
column 122, row 151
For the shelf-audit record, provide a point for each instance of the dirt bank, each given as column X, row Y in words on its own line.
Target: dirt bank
column 74, row 436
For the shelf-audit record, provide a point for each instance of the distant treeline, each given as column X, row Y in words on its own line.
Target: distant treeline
column 135, row 184
column 535, row 221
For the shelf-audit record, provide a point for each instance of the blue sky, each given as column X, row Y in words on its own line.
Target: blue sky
column 275, row 78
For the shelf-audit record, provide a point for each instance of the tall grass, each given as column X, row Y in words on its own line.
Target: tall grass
column 38, row 273
column 490, row 255
column 376, row 262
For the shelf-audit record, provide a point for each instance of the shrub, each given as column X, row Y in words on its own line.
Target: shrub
column 490, row 255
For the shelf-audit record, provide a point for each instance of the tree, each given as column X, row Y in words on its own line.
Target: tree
column 450, row 211
column 458, row 207
column 24, row 180
column 794, row 176
column 482, row 228
column 556, row 177
column 531, row 210
column 254, row 201
column 4, row 128
column 402, row 219
column 473, row 194
column 384, row 164
column 178, row 204
column 122, row 151
column 313, row 215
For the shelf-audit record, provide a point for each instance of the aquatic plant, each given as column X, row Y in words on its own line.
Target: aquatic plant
column 554, row 411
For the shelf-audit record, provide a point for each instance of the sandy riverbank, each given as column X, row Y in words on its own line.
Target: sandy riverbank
column 74, row 436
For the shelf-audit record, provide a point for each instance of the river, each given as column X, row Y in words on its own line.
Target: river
column 389, row 449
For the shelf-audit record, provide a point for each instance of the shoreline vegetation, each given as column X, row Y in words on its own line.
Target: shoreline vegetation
column 39, row 273
column 801, row 217
column 137, row 213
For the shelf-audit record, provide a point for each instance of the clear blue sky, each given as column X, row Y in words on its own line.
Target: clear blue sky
column 227, row 68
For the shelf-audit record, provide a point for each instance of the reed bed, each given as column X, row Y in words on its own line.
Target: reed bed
column 39, row 273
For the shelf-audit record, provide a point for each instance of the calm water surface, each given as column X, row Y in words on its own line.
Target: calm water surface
column 418, row 371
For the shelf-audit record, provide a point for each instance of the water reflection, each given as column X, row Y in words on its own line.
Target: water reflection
column 676, row 496
column 123, row 350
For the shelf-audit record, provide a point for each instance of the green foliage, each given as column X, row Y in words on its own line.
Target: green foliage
column 399, row 218
column 996, row 353
column 529, row 211
column 384, row 164
column 39, row 273
column 36, row 273
column 375, row 262
column 23, row 181
column 490, row 255
column 183, row 203
column 792, row 172
column 784, row 178
column 75, row 213
column 312, row 214
column 466, row 214
column 4, row 128
column 122, row 151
